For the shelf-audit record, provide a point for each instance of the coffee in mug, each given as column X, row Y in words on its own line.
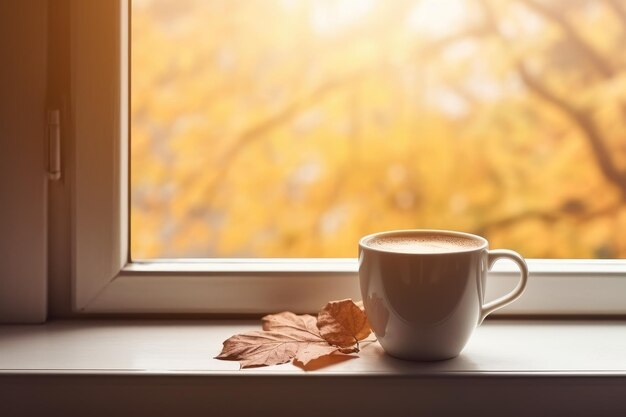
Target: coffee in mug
column 423, row 290
column 426, row 243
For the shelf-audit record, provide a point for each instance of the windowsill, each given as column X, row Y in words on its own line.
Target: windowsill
column 559, row 356
column 175, row 347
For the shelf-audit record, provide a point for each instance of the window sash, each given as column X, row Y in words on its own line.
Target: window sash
column 105, row 281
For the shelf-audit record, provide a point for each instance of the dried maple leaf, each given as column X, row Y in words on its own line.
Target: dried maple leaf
column 287, row 321
column 314, row 351
column 343, row 323
column 260, row 348
column 286, row 336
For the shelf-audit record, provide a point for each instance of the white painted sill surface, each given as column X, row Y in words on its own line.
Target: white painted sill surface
column 166, row 368
column 157, row 347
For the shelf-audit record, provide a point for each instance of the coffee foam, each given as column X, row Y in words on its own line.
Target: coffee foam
column 424, row 244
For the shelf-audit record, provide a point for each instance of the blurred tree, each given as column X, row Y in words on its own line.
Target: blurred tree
column 285, row 128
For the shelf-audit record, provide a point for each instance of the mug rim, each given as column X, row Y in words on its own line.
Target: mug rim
column 484, row 243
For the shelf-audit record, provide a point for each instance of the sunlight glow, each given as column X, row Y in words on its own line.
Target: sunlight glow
column 330, row 17
column 437, row 17
column 291, row 128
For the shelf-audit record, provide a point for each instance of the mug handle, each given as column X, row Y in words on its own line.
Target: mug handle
column 492, row 257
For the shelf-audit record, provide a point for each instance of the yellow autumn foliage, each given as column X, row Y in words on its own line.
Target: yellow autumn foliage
column 280, row 128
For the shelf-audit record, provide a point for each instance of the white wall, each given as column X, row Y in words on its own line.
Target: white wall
column 23, row 39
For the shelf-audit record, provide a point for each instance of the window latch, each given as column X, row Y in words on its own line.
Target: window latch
column 54, row 145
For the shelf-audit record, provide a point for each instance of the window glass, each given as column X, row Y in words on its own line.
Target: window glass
column 290, row 128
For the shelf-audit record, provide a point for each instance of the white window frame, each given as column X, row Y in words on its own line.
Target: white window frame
column 105, row 281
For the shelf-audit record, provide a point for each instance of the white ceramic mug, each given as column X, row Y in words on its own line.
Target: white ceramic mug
column 425, row 306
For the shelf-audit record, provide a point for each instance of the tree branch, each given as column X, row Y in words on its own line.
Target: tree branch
column 490, row 17
column 225, row 163
column 316, row 95
column 598, row 62
column 283, row 115
column 545, row 216
column 601, row 64
column 439, row 44
column 513, row 219
column 584, row 122
column 619, row 10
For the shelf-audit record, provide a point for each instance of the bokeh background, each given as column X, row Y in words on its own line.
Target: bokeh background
column 290, row 128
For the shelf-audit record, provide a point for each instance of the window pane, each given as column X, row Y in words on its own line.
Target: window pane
column 290, row 128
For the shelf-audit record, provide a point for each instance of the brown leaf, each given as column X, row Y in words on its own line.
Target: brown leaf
column 287, row 321
column 260, row 348
column 286, row 336
column 316, row 350
column 343, row 323
column 324, row 362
